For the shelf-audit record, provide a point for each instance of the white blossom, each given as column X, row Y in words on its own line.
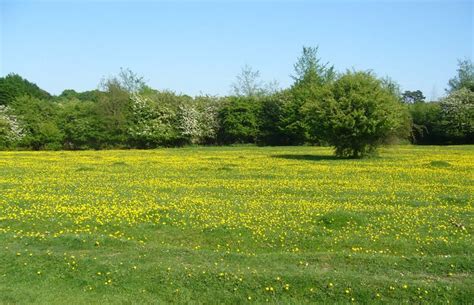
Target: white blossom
column 10, row 127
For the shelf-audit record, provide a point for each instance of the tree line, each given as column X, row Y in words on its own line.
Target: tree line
column 354, row 111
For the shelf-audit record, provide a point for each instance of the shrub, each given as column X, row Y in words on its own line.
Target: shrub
column 355, row 114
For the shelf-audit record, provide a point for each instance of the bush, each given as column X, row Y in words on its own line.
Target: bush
column 355, row 114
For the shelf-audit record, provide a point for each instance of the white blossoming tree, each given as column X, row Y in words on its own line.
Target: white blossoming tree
column 10, row 128
column 198, row 120
column 457, row 111
column 151, row 125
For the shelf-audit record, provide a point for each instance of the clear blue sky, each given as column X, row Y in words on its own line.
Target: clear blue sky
column 194, row 46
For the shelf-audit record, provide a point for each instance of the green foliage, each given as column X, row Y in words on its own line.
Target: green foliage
column 13, row 86
column 449, row 121
column 238, row 121
column 81, row 125
column 355, row 114
column 70, row 94
column 270, row 121
column 310, row 70
column 426, row 118
column 410, row 97
column 457, row 112
column 114, row 110
column 292, row 123
column 465, row 77
column 38, row 119
column 152, row 122
column 310, row 76
column 320, row 105
column 392, row 86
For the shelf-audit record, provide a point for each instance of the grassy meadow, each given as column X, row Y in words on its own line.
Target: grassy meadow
column 237, row 225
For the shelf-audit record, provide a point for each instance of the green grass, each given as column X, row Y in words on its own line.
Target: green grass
column 237, row 225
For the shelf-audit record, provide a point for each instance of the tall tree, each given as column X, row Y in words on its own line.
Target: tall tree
column 310, row 70
column 310, row 76
column 114, row 108
column 411, row 97
column 465, row 77
column 249, row 84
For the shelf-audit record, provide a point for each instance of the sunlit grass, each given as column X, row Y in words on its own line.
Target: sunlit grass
column 236, row 225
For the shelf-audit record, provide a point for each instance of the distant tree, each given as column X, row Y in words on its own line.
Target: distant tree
column 130, row 81
column 13, row 86
column 310, row 70
column 465, row 77
column 249, row 84
column 70, row 94
column 355, row 114
column 115, row 104
column 411, row 97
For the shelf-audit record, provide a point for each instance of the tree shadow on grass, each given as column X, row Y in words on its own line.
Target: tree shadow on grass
column 310, row 157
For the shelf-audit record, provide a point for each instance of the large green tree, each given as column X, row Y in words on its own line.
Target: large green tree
column 309, row 69
column 114, row 110
column 310, row 75
column 464, row 78
column 411, row 97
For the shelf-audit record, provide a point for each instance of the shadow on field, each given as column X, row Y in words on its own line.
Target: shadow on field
column 308, row 157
